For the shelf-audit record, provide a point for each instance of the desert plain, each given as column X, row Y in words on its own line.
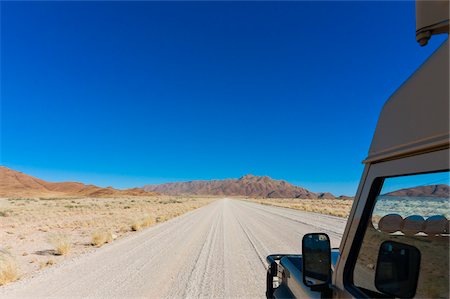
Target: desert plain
column 37, row 233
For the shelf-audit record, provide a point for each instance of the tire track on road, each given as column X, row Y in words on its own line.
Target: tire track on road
column 252, row 243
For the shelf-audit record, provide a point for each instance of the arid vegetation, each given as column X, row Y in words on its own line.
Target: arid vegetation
column 334, row 207
column 39, row 232
column 8, row 267
column 60, row 242
column 101, row 237
column 135, row 226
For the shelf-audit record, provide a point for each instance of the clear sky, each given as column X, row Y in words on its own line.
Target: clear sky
column 124, row 94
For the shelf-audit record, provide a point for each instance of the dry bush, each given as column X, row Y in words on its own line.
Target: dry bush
column 135, row 226
column 61, row 243
column 123, row 229
column 148, row 221
column 160, row 219
column 46, row 264
column 101, row 237
column 9, row 270
column 5, row 213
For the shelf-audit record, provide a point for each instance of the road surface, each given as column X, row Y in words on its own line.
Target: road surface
column 217, row 251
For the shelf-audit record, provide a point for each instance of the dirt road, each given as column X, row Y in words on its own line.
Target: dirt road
column 217, row 251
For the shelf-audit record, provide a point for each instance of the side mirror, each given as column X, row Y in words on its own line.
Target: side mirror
column 398, row 268
column 316, row 256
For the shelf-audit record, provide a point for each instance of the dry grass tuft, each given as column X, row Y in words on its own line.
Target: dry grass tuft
column 5, row 213
column 123, row 229
column 148, row 221
column 61, row 243
column 164, row 218
column 46, row 264
column 101, row 237
column 9, row 270
column 135, row 226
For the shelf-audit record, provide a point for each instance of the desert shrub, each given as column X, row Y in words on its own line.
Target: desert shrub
column 135, row 226
column 101, row 237
column 46, row 264
column 169, row 201
column 148, row 220
column 9, row 270
column 162, row 218
column 5, row 213
column 60, row 242
column 123, row 229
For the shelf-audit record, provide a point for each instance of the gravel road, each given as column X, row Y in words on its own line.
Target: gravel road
column 217, row 251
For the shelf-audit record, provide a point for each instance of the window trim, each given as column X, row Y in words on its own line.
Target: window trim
column 375, row 189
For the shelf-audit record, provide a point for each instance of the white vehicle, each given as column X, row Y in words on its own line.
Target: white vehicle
column 396, row 241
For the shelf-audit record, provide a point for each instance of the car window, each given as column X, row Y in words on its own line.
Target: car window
column 408, row 232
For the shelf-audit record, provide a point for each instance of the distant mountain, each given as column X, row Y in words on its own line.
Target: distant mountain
column 345, row 197
column 248, row 185
column 440, row 190
column 325, row 195
column 17, row 184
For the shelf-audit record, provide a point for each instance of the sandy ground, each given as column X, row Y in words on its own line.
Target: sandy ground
column 334, row 207
column 26, row 225
column 217, row 251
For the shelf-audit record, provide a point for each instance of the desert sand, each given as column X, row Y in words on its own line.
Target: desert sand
column 334, row 207
column 32, row 229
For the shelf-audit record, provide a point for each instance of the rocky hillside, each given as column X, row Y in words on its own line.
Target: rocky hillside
column 17, row 184
column 248, row 185
column 440, row 190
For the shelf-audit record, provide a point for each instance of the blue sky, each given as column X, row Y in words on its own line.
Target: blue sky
column 124, row 94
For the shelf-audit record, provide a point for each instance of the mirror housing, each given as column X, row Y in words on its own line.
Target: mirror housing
column 316, row 261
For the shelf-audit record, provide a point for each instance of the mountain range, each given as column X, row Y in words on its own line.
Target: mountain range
column 17, row 184
column 248, row 185
column 440, row 190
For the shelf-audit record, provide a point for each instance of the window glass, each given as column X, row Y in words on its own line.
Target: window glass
column 415, row 211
